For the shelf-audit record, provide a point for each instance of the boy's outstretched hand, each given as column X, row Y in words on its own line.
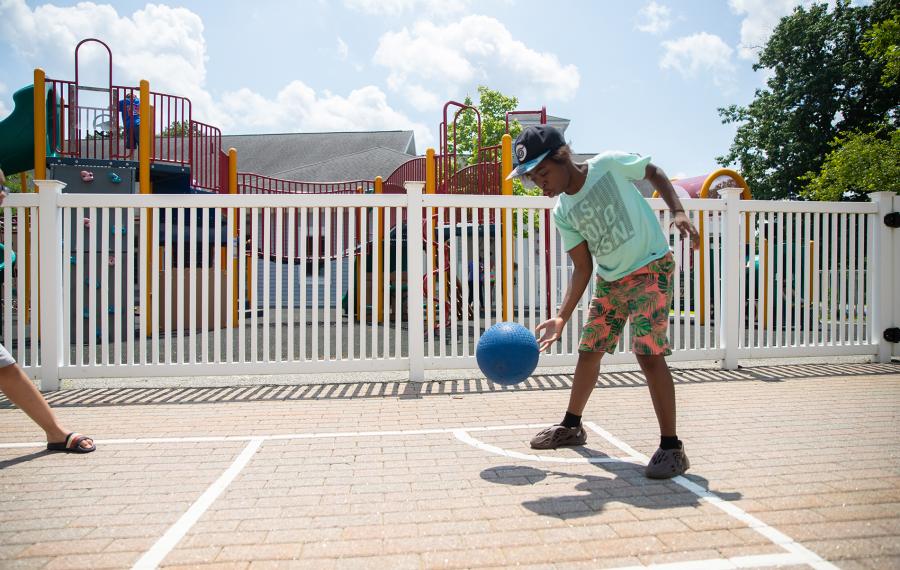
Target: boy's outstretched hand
column 552, row 329
column 686, row 228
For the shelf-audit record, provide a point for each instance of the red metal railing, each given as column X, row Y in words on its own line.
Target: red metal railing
column 171, row 128
column 205, row 155
column 98, row 130
column 413, row 169
column 79, row 130
column 250, row 183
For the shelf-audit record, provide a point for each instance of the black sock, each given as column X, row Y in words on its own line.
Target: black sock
column 571, row 420
column 669, row 442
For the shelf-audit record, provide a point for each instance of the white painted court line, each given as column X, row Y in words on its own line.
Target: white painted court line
column 758, row 561
column 290, row 436
column 463, row 436
column 176, row 532
column 774, row 535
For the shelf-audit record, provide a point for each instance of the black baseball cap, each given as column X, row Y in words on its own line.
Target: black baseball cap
column 532, row 146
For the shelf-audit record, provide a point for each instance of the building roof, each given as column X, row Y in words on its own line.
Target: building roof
column 356, row 166
column 527, row 119
column 324, row 155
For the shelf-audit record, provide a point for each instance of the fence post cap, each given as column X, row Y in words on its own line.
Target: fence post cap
column 55, row 186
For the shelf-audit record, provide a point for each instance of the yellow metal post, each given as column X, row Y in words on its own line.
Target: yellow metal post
column 430, row 178
column 40, row 169
column 506, row 189
column 235, row 227
column 40, row 125
column 379, row 273
column 144, row 188
column 145, row 143
column 430, row 188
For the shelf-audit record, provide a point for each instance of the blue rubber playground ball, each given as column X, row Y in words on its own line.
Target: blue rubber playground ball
column 507, row 353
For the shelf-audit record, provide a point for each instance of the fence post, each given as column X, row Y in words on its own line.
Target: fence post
column 50, row 295
column 728, row 317
column 884, row 258
column 415, row 274
column 896, row 267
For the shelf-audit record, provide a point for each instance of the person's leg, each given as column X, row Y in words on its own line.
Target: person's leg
column 600, row 335
column 662, row 391
column 586, row 372
column 22, row 392
column 650, row 299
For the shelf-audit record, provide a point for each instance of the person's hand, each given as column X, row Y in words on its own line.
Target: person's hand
column 549, row 332
column 686, row 228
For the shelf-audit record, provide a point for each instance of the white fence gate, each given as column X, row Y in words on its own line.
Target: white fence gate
column 163, row 285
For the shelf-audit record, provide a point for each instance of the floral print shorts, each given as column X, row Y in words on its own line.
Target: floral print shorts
column 644, row 298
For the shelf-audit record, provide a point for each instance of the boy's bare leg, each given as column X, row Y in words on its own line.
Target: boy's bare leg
column 662, row 391
column 586, row 372
column 21, row 392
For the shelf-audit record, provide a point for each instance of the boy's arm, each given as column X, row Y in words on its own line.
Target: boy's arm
column 581, row 276
column 661, row 184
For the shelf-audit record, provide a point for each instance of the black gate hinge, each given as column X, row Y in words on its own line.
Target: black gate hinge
column 892, row 334
column 892, row 220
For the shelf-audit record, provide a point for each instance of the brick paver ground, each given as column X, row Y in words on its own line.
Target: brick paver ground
column 802, row 456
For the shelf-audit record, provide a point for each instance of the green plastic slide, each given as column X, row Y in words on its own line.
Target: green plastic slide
column 17, row 132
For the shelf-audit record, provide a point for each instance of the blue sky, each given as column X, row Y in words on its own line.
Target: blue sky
column 640, row 76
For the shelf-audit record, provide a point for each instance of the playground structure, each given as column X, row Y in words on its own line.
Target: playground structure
column 73, row 132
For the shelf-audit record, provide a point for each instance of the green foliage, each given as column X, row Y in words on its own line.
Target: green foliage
column 882, row 43
column 861, row 162
column 14, row 182
column 493, row 106
column 821, row 83
column 178, row 128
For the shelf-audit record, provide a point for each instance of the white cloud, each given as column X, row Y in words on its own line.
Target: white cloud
column 654, row 18
column 166, row 46
column 343, row 50
column 159, row 43
column 700, row 56
column 398, row 7
column 760, row 19
column 297, row 107
column 455, row 56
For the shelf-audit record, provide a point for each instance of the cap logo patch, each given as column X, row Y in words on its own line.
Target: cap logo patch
column 521, row 152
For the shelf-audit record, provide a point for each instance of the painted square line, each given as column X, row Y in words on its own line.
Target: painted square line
column 464, row 436
column 174, row 534
column 799, row 553
column 796, row 553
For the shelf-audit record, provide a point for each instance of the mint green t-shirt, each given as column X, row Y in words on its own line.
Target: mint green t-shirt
column 621, row 230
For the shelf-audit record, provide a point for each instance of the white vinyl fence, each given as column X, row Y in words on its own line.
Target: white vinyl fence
column 174, row 285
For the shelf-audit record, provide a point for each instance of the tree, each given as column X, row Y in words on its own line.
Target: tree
column 493, row 106
column 822, row 83
column 883, row 43
column 861, row 162
column 178, row 128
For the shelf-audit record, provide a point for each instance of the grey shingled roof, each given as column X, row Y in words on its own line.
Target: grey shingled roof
column 363, row 165
column 279, row 154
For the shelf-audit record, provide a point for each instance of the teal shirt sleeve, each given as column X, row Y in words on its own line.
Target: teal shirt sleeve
column 570, row 236
column 631, row 166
